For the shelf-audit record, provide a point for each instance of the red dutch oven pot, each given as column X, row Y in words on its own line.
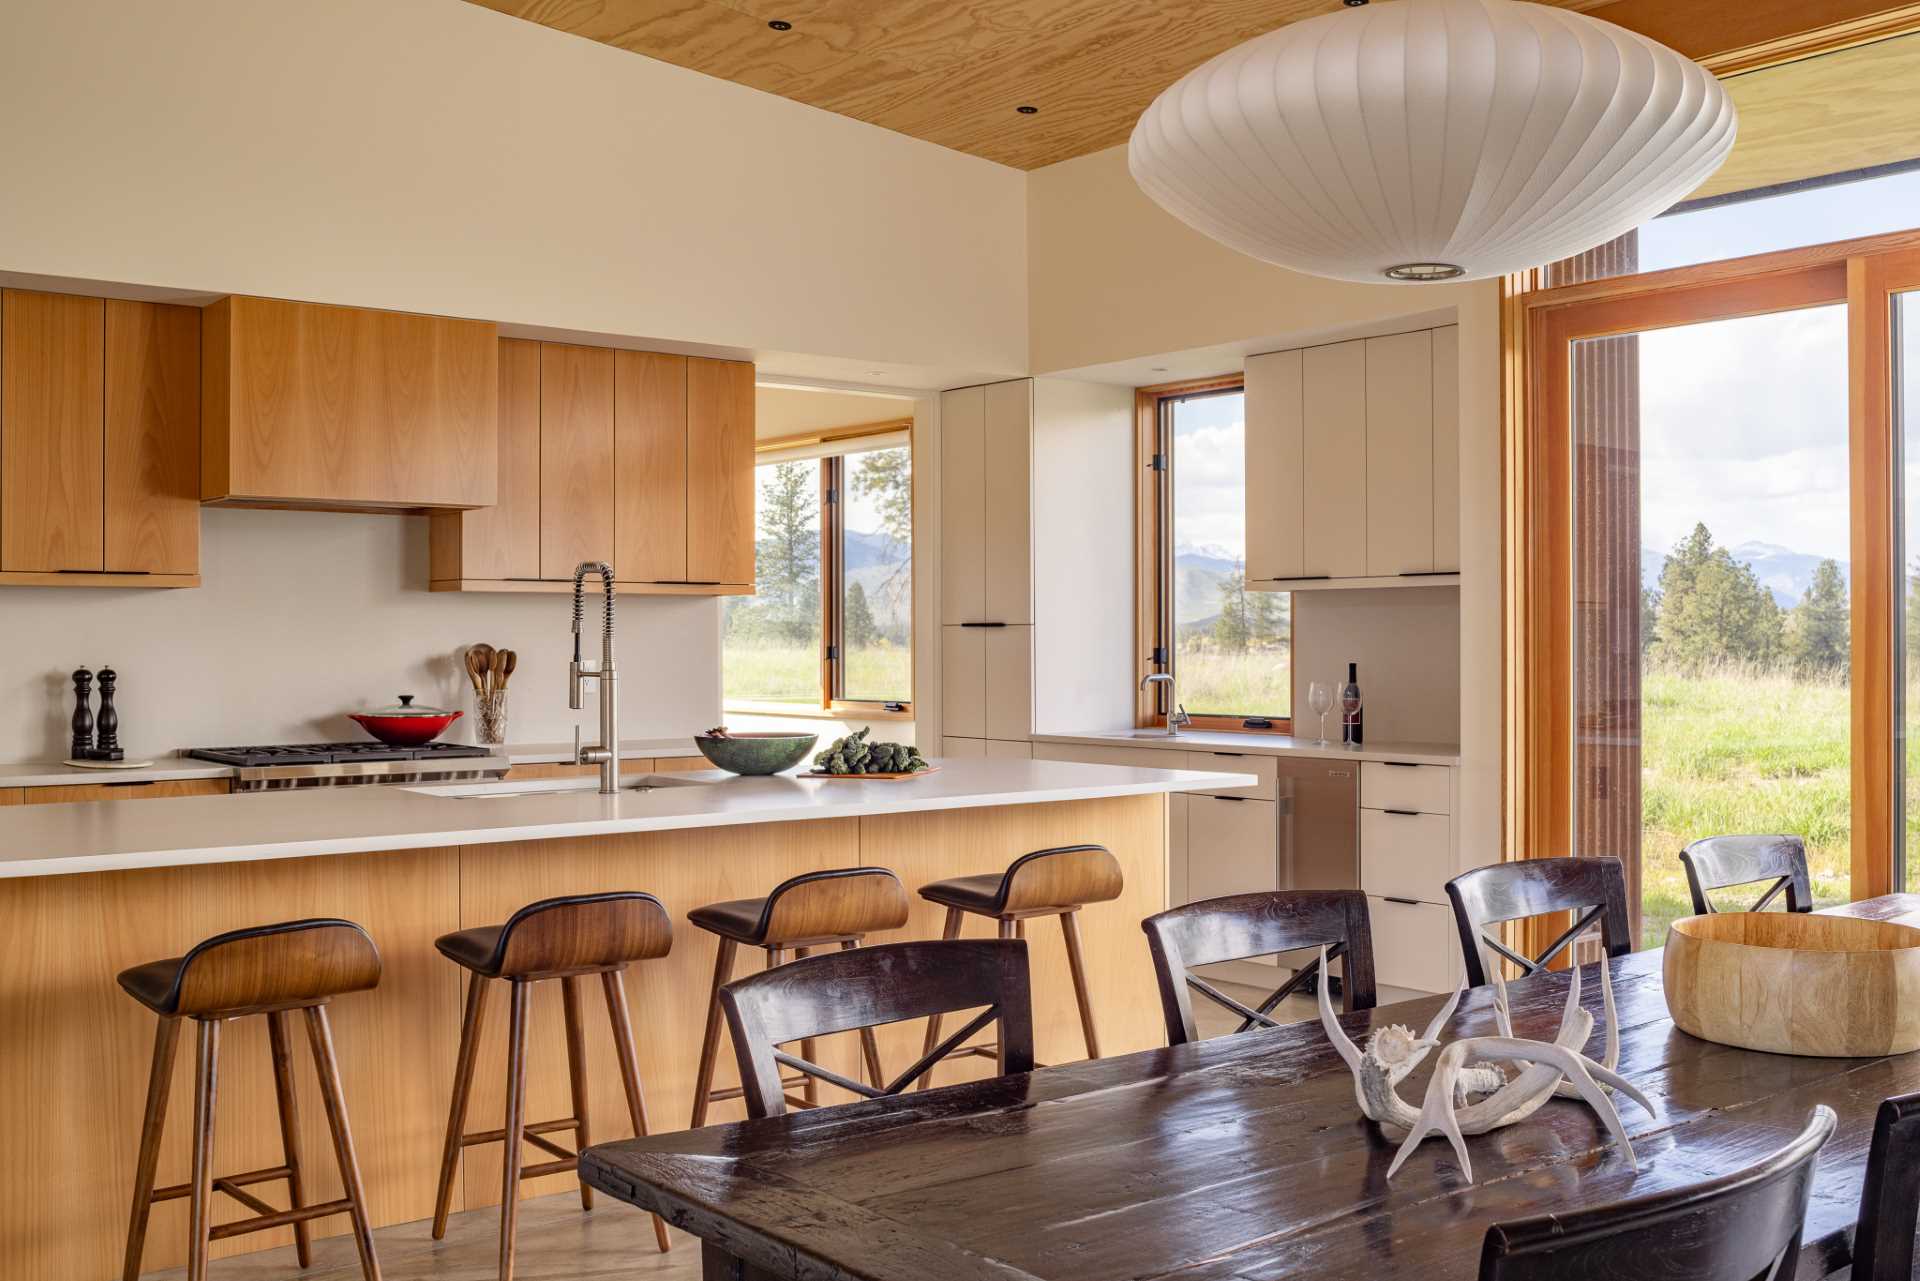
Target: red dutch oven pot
column 405, row 725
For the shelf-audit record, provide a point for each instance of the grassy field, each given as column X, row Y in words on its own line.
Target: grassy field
column 791, row 674
column 1741, row 752
column 1254, row 683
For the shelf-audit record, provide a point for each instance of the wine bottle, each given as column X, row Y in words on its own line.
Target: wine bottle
column 1351, row 726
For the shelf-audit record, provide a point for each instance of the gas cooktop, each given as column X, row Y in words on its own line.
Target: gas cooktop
column 331, row 753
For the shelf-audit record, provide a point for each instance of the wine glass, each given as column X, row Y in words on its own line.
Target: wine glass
column 1320, row 699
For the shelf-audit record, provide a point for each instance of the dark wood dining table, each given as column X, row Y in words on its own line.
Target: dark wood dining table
column 1241, row 1158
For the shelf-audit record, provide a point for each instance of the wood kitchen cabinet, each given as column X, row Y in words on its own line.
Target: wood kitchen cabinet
column 576, row 458
column 345, row 408
column 1352, row 462
column 642, row 459
column 154, row 790
column 99, row 442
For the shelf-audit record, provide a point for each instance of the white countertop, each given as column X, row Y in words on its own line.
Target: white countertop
column 53, row 840
column 1189, row 740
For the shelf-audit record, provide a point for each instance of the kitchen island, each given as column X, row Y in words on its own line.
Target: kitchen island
column 89, row 889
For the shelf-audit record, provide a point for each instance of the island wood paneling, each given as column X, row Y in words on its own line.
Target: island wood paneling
column 650, row 466
column 10, row 795
column 73, row 1066
column 719, row 471
column 502, row 541
column 156, row 790
column 152, row 438
column 308, row 405
column 52, row 363
column 576, row 457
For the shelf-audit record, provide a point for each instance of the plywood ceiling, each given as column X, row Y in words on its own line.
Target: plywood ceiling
column 952, row 72
column 955, row 72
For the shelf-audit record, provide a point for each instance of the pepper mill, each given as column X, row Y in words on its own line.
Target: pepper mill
column 107, row 737
column 82, row 714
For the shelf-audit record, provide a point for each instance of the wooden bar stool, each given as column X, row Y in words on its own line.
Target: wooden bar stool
column 1056, row 882
column 804, row 912
column 271, row 970
column 556, row 938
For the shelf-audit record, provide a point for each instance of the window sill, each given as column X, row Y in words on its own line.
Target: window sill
column 795, row 711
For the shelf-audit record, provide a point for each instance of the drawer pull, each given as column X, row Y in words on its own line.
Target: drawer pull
column 983, row 624
column 1227, row 798
column 1403, row 813
column 1400, row 764
column 1404, row 902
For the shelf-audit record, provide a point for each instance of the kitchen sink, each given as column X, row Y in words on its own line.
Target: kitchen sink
column 561, row 786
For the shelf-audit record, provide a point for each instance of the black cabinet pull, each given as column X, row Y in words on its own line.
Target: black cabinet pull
column 1229, row 798
column 1403, row 813
column 1404, row 902
column 983, row 624
column 1399, row 764
column 138, row 782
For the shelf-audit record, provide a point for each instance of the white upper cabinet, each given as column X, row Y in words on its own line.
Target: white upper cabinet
column 1276, row 467
column 1352, row 460
column 1446, row 449
column 986, row 504
column 1399, row 400
column 963, row 506
column 1335, row 459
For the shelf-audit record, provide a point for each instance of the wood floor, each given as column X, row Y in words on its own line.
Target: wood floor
column 557, row 1240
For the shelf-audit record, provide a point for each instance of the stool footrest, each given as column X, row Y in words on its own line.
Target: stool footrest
column 734, row 1091
column 538, row 1127
column 549, row 1146
column 279, row 1219
column 175, row 1191
column 550, row 1167
column 991, row 1050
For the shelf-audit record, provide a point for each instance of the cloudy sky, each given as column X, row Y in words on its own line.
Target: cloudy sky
column 1209, row 474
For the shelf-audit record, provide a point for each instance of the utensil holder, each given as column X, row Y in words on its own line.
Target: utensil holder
column 490, row 717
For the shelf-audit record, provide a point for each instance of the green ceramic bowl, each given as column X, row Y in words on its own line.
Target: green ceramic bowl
column 763, row 753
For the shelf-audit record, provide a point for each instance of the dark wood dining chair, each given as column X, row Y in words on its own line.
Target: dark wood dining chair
column 1890, row 1198
column 869, row 986
column 1594, row 889
column 1715, row 862
column 1742, row 1226
column 1245, row 925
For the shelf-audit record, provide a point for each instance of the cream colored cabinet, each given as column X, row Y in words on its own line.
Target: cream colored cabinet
column 1006, row 750
column 1446, row 449
column 1352, row 461
column 1334, row 461
column 1413, row 944
column 986, row 682
column 965, row 749
column 1399, row 407
column 1264, row 768
column 1232, row 846
column 1276, row 467
column 963, row 682
column 986, row 504
column 1408, row 853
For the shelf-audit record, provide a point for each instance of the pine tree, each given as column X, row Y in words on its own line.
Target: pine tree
column 787, row 552
column 1713, row 609
column 1819, row 642
column 859, row 624
column 886, row 476
column 1233, row 629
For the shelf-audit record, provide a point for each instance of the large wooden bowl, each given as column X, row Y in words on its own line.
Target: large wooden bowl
column 1793, row 983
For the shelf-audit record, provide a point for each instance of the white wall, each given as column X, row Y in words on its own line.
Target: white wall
column 1407, row 642
column 308, row 616
column 432, row 155
column 1115, row 280
column 1083, row 549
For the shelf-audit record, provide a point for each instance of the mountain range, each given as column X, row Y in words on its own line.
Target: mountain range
column 1782, row 571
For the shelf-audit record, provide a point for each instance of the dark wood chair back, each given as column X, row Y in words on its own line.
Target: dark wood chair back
column 583, row 932
column 1244, row 925
column 1594, row 889
column 1743, row 1226
column 1890, row 1198
column 1067, row 876
column 1714, row 862
column 826, row 906
column 285, row 965
column 865, row 987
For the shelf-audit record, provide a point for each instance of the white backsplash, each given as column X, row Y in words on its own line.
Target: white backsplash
column 307, row 616
column 1407, row 642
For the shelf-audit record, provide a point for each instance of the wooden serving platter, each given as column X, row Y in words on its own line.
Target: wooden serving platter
column 875, row 778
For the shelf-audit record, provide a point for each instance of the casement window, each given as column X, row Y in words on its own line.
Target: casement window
column 1228, row 648
column 830, row 626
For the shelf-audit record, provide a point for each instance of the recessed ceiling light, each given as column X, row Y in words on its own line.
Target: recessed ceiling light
column 1025, row 110
column 1353, row 4
column 1156, row 369
column 781, row 24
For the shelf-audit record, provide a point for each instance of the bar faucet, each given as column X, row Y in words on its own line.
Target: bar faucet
column 1176, row 714
column 605, row 753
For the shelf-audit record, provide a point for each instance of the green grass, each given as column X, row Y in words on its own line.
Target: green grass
column 791, row 673
column 1256, row 683
column 1736, row 751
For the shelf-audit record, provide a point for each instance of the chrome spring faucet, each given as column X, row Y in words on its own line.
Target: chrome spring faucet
column 605, row 753
column 1176, row 714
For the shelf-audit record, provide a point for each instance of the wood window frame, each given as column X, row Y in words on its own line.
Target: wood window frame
column 832, row 580
column 1153, row 554
column 1537, row 324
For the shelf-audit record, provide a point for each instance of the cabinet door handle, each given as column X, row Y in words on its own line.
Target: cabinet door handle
column 983, row 624
column 1398, row 764
column 1403, row 813
column 1426, row 573
column 1226, row 798
column 1404, row 902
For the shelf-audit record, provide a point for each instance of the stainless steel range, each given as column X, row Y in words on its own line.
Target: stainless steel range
column 280, row 766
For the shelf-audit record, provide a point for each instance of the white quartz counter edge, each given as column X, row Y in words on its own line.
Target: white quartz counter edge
column 98, row 836
column 1266, row 745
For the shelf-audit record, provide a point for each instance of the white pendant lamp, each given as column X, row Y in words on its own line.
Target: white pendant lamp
column 1425, row 140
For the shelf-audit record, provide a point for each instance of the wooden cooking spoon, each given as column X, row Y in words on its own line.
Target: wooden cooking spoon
column 480, row 666
column 505, row 661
